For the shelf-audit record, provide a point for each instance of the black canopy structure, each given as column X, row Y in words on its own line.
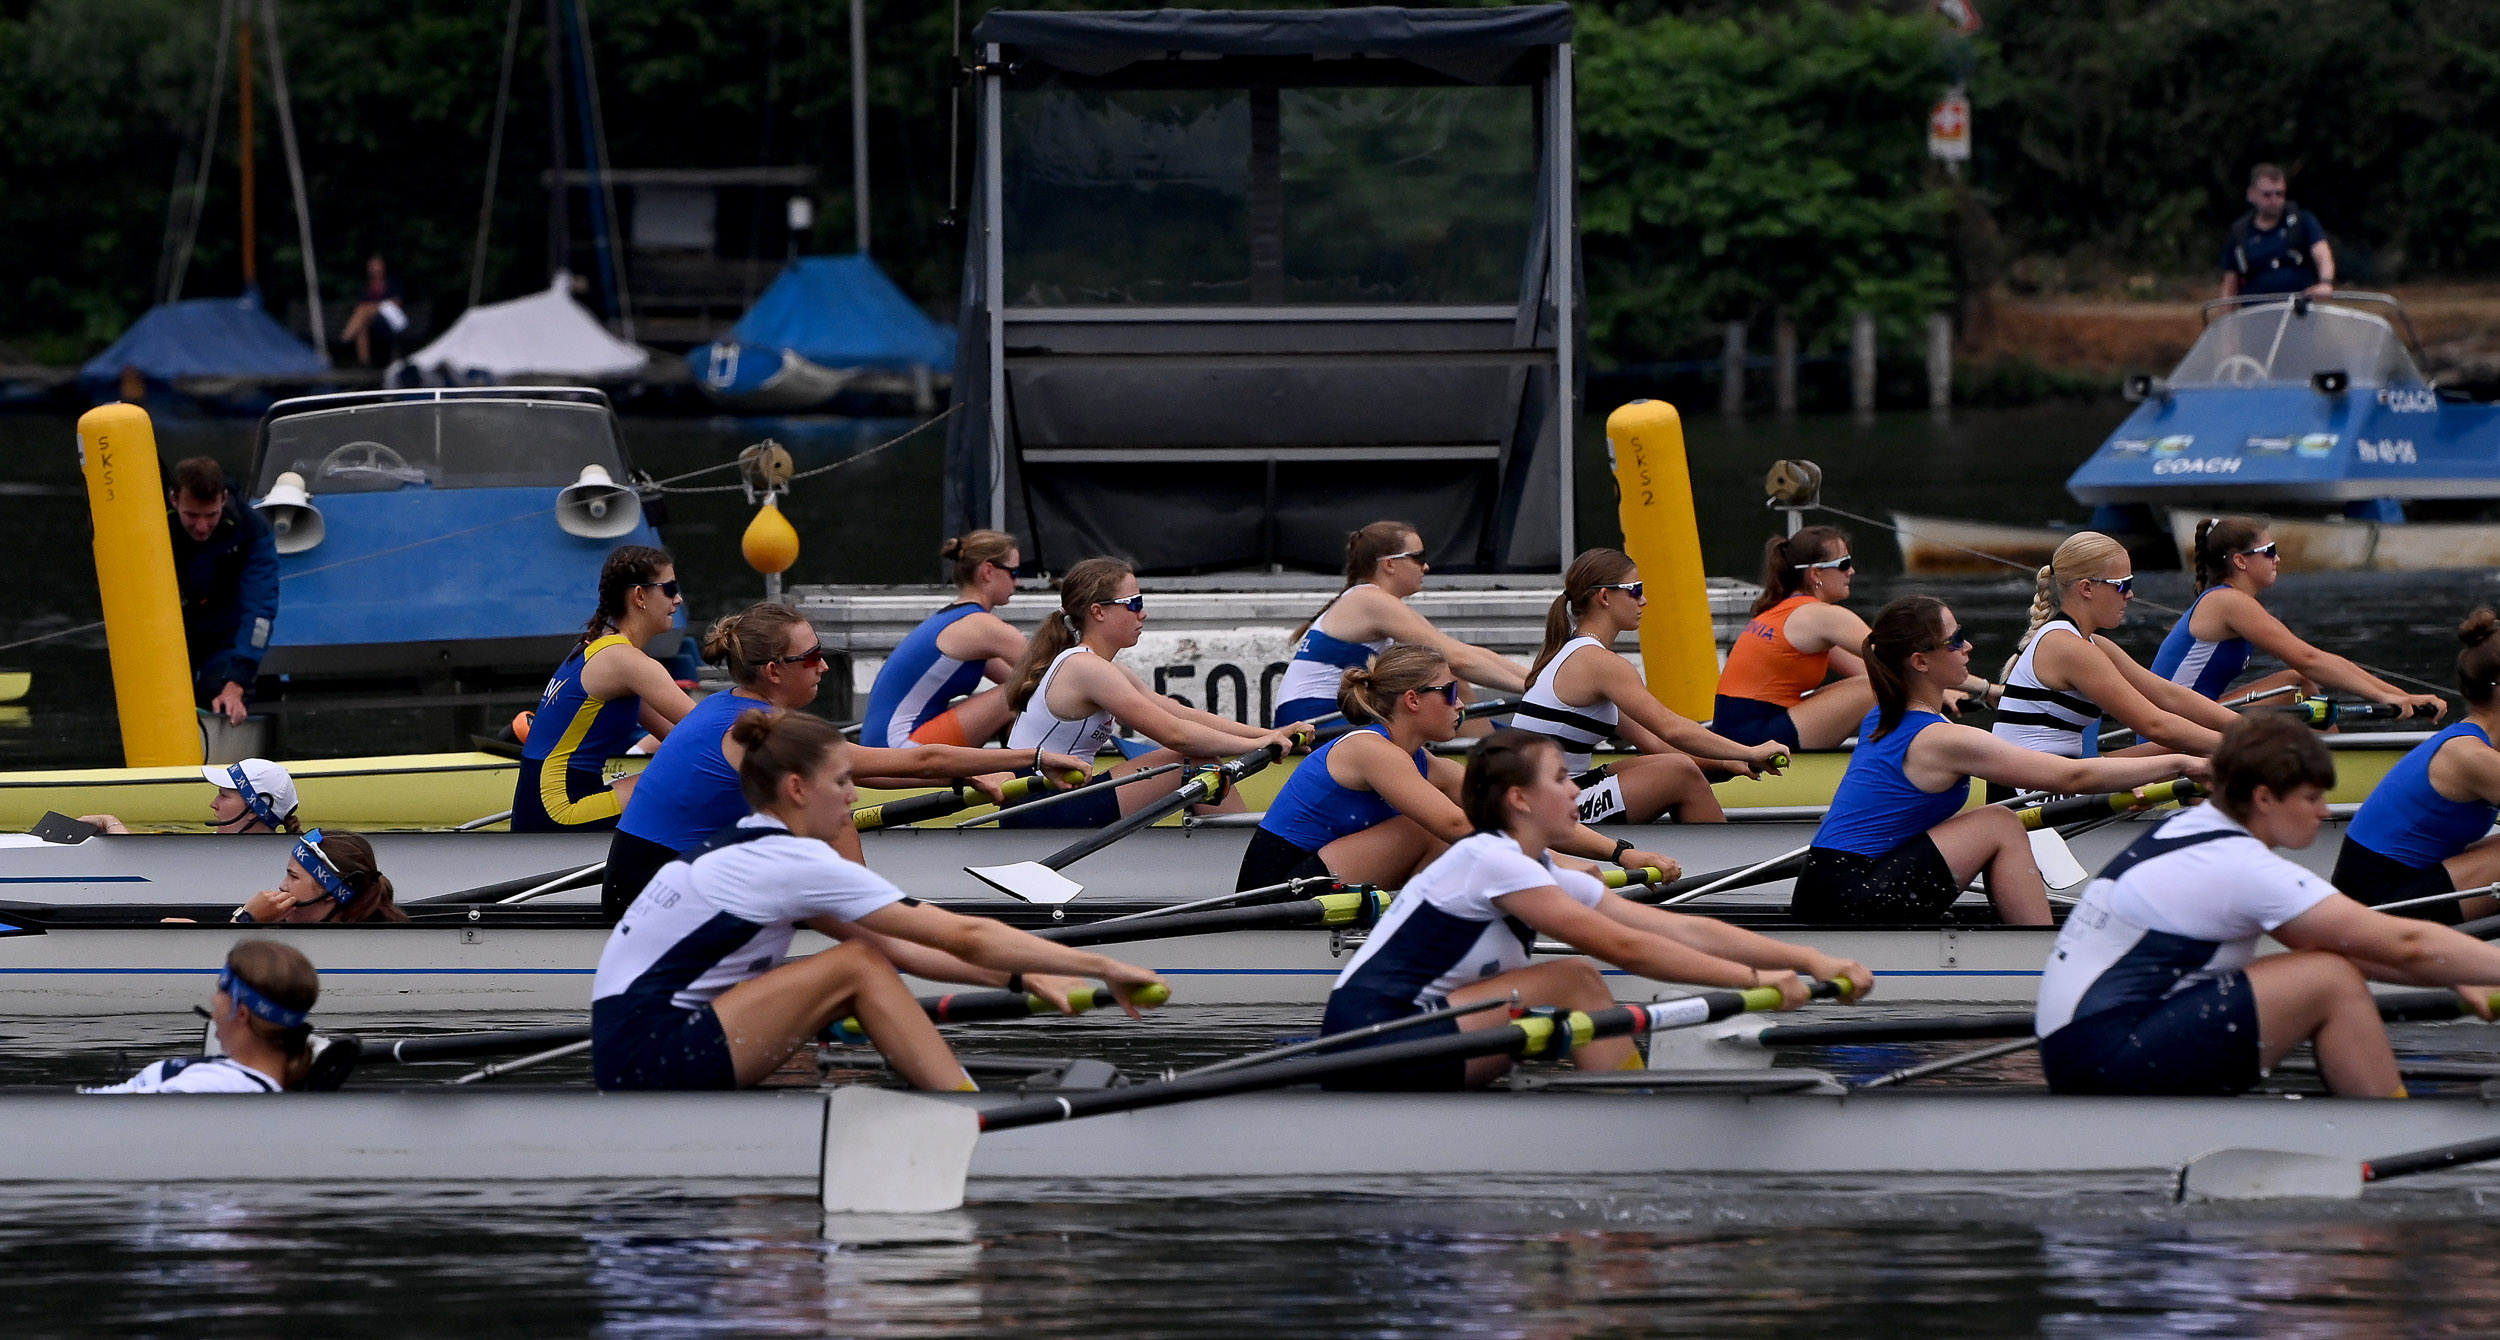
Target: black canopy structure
column 1238, row 282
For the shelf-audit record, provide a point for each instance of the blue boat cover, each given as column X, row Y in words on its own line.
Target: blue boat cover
column 840, row 312
column 203, row 337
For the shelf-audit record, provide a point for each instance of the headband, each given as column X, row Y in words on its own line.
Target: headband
column 246, row 998
column 325, row 872
column 253, row 800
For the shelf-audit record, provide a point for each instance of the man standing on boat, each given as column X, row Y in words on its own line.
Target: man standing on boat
column 226, row 567
column 2276, row 247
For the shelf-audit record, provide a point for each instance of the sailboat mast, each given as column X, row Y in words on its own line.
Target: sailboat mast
column 559, row 227
column 243, row 49
column 859, row 119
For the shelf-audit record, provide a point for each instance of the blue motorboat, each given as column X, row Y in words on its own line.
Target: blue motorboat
column 433, row 532
column 2310, row 404
column 828, row 323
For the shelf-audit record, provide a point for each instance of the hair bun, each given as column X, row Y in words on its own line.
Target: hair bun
column 953, row 548
column 2478, row 627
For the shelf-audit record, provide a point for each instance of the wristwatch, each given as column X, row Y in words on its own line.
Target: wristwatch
column 1622, row 845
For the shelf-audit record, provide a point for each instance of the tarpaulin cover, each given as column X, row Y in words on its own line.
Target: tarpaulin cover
column 1098, row 43
column 546, row 334
column 841, row 312
column 203, row 337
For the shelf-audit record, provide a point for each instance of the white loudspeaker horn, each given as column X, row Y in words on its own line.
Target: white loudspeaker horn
column 290, row 513
column 596, row 507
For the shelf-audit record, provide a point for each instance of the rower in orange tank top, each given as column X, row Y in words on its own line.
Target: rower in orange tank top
column 1765, row 666
column 1772, row 687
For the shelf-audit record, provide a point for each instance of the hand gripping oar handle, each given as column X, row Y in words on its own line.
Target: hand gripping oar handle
column 1207, row 785
column 1328, row 909
column 937, row 804
column 2073, row 809
column 973, row 1007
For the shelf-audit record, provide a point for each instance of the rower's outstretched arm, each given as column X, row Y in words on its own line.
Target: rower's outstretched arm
column 994, row 944
column 2405, row 950
column 1622, row 686
column 1558, row 914
column 2093, row 674
column 2177, row 699
column 937, row 965
column 1736, row 944
column 1473, row 663
column 1941, row 753
column 2249, row 618
column 1185, row 731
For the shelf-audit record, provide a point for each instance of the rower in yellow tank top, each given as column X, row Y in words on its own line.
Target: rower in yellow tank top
column 604, row 695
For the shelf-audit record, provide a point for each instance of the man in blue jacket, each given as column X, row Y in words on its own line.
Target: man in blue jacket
column 226, row 565
column 2276, row 247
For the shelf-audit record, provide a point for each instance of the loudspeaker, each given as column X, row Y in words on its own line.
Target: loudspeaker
column 596, row 507
column 291, row 514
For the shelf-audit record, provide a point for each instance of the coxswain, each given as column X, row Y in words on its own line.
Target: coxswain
column 689, row 791
column 1582, row 693
column 692, row 992
column 606, row 694
column 253, row 796
column 2236, row 560
column 950, row 653
column 261, row 1011
column 1070, row 694
column 1374, row 805
column 2426, row 828
column 329, row 877
column 1895, row 844
column 1462, row 930
column 1384, row 564
column 2154, row 986
column 2064, row 675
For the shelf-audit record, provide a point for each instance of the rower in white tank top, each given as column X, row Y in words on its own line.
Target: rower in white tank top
column 1038, row 728
column 1578, row 731
column 2035, row 716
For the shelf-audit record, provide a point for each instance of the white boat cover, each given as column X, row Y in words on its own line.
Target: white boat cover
column 546, row 334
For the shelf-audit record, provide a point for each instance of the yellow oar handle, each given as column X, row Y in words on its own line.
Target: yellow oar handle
column 1102, row 998
column 1647, row 874
column 1760, row 998
column 2116, row 802
column 1779, row 761
column 1339, row 909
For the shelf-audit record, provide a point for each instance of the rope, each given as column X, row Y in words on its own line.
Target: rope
column 46, row 637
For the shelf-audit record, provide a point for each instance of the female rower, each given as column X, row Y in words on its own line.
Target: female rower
column 950, row 653
column 1374, row 805
column 253, row 796
column 1070, row 693
column 2064, row 675
column 692, row 992
column 1384, row 564
column 261, row 1013
column 2152, row 988
column 690, row 789
column 1772, row 687
column 329, row 877
column 1581, row 693
column 1461, row 931
column 1894, row 845
column 2423, row 830
column 607, row 692
column 2236, row 560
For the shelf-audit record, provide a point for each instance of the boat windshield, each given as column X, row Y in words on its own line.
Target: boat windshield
column 450, row 444
column 2285, row 342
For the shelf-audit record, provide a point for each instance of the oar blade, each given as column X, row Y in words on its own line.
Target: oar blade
column 1031, row 881
column 894, row 1153
column 2056, row 860
column 2268, row 1174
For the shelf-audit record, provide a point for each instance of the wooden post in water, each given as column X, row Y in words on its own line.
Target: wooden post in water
column 1784, row 365
column 1939, row 363
column 1732, row 371
column 1862, row 365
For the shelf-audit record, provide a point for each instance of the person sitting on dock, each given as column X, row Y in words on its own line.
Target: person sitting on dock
column 1461, row 932
column 1384, row 564
column 692, row 992
column 2064, row 675
column 2236, row 560
column 689, row 791
column 607, row 692
column 261, row 1013
column 253, row 796
column 2425, row 830
column 950, row 653
column 1070, row 693
column 329, row 877
column 1896, row 846
column 226, row 571
column 2155, row 986
column 1374, row 805
column 1582, row 693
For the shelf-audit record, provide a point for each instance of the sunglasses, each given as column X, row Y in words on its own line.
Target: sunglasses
column 2270, row 549
column 1844, row 563
column 814, row 656
column 1957, row 640
column 2124, row 586
column 667, row 588
column 1416, row 555
column 1634, row 587
column 1135, row 604
column 1447, row 689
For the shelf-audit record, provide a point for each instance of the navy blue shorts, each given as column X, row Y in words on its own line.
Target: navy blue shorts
column 1753, row 721
column 2372, row 878
column 1911, row 883
column 1301, row 709
column 636, row 1044
column 1350, row 1010
column 2201, row 1040
column 1094, row 811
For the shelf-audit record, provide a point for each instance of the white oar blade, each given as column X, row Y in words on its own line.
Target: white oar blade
column 2056, row 860
column 1032, row 881
column 2268, row 1174
column 893, row 1153
column 1729, row 1044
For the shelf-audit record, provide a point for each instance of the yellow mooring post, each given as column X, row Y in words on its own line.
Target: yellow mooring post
column 134, row 571
column 1654, row 489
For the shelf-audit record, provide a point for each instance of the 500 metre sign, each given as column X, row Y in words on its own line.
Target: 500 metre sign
column 1232, row 672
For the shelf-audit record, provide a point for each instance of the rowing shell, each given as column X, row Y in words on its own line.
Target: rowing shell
column 777, row 1141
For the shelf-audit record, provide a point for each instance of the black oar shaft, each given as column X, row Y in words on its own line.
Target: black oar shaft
column 2431, row 1160
column 910, row 809
column 1271, row 916
column 456, row 1046
column 1195, row 791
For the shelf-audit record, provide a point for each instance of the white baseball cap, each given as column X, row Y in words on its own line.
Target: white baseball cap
column 263, row 784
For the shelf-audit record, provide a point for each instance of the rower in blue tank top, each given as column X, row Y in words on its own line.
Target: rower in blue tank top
column 1374, row 805
column 1895, row 844
column 2207, row 667
column 949, row 654
column 601, row 699
column 2426, row 828
column 1384, row 564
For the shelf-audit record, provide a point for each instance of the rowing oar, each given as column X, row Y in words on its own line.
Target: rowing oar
column 2116, row 733
column 1040, row 881
column 1091, row 784
column 2075, row 809
column 894, row 1153
column 975, row 1007
column 519, row 890
column 2271, row 1174
column 940, row 803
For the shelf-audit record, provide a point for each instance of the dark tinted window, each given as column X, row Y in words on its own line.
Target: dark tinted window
column 466, row 444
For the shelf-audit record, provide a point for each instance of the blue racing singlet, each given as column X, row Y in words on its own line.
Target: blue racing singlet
column 2408, row 821
column 2207, row 667
column 1876, row 807
column 688, row 791
column 917, row 681
column 1314, row 809
column 562, row 782
column 1318, row 667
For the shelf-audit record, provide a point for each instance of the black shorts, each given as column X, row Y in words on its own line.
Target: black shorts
column 2203, row 1040
column 2371, row 879
column 1350, row 1010
column 1098, row 810
column 1753, row 721
column 1910, row 883
column 632, row 861
column 657, row 1045
column 1270, row 859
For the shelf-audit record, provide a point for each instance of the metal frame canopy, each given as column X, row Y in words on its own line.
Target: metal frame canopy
column 1238, row 282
